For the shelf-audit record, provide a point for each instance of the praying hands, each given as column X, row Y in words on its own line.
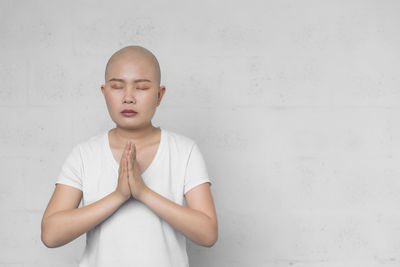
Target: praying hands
column 130, row 182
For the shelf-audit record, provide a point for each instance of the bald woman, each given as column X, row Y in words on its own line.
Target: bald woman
column 133, row 180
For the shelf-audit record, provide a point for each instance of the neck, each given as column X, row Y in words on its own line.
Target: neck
column 138, row 136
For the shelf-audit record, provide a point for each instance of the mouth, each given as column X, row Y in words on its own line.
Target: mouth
column 128, row 112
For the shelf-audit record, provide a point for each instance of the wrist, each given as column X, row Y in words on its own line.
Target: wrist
column 144, row 193
column 122, row 199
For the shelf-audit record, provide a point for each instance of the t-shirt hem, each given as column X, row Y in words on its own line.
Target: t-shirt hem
column 198, row 182
column 68, row 183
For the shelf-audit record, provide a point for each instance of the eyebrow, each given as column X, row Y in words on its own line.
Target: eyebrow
column 136, row 81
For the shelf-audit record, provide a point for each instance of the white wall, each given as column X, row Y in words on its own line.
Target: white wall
column 294, row 104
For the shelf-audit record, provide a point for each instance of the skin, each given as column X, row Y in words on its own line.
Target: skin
column 134, row 143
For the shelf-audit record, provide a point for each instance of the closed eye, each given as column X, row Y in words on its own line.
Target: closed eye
column 117, row 86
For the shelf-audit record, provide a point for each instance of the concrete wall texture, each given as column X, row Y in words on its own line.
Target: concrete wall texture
column 294, row 104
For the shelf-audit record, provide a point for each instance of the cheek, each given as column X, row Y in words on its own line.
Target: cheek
column 111, row 100
column 149, row 103
column 150, row 99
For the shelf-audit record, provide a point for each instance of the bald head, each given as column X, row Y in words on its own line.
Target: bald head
column 134, row 53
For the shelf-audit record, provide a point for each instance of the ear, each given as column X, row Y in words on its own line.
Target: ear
column 161, row 93
column 102, row 88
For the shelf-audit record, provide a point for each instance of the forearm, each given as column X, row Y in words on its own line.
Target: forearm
column 62, row 227
column 193, row 224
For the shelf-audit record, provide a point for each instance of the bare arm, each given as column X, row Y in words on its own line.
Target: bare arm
column 198, row 221
column 63, row 222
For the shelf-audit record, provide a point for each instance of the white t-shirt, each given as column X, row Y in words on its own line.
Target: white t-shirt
column 134, row 235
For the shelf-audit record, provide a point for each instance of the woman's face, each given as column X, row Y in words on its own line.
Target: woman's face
column 132, row 84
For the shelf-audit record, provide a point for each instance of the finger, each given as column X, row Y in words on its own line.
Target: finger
column 123, row 159
column 123, row 154
column 126, row 156
column 131, row 154
column 128, row 168
column 129, row 159
column 134, row 152
column 123, row 166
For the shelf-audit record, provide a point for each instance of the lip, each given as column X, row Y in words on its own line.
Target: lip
column 128, row 114
column 128, row 111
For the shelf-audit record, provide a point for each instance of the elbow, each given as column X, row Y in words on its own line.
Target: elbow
column 46, row 237
column 211, row 242
column 213, row 235
column 46, row 242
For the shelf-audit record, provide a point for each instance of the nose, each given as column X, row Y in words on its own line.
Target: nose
column 130, row 95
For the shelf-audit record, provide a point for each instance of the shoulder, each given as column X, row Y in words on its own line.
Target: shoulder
column 179, row 141
column 92, row 143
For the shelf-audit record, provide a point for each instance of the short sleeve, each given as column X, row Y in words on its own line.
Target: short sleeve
column 196, row 170
column 72, row 169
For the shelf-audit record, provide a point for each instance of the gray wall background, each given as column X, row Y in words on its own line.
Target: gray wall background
column 294, row 105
